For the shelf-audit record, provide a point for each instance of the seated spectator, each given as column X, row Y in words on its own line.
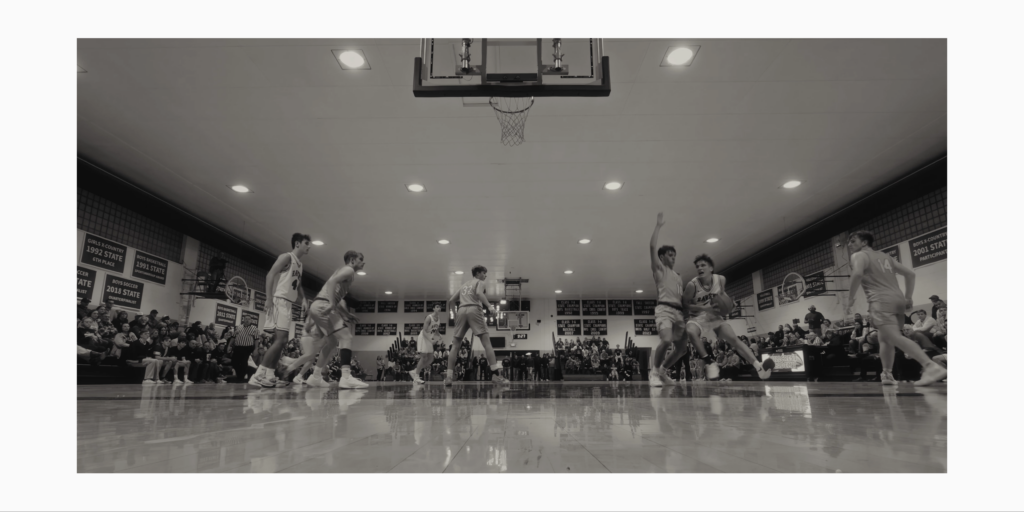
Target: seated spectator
column 90, row 325
column 122, row 340
column 936, row 304
column 195, row 329
column 182, row 355
column 142, row 354
column 83, row 308
column 939, row 330
column 867, row 360
column 826, row 326
column 799, row 331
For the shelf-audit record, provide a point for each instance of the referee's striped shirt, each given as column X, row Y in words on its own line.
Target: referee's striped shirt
column 246, row 335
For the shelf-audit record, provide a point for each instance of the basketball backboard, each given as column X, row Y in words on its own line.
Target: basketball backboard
column 511, row 68
column 513, row 321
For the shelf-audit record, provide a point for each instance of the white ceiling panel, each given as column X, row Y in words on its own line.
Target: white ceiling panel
column 329, row 152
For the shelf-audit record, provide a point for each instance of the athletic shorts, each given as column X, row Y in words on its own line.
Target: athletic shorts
column 328, row 320
column 707, row 323
column 470, row 317
column 886, row 313
column 279, row 315
column 666, row 317
column 423, row 346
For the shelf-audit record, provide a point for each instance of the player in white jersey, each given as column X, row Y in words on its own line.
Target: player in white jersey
column 701, row 291
column 670, row 313
column 424, row 343
column 311, row 341
column 284, row 287
column 332, row 316
column 470, row 315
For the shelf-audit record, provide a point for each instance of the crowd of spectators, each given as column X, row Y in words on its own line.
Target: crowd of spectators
column 169, row 352
column 595, row 356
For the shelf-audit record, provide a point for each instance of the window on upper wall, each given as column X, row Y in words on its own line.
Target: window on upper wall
column 109, row 220
column 916, row 217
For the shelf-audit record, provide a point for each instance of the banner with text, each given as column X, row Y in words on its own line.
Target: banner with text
column 567, row 307
column 366, row 329
column 366, row 306
column 893, row 252
column 296, row 312
column 645, row 327
column 102, row 253
column 387, row 306
column 569, row 327
column 928, row 248
column 86, row 282
column 595, row 327
column 595, row 308
column 226, row 315
column 765, row 300
column 815, row 284
column 620, row 307
column 644, row 307
column 412, row 329
column 123, row 292
column 387, row 329
column 254, row 318
column 259, row 300
column 443, row 303
column 150, row 268
column 413, row 306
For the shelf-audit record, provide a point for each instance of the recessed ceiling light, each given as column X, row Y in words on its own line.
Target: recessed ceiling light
column 317, row 242
column 791, row 184
column 415, row 187
column 568, row 271
column 240, row 188
column 712, row 240
column 443, row 242
column 558, row 291
column 639, row 291
column 459, row 272
column 679, row 56
column 503, row 301
column 361, row 273
column 585, row 241
column 612, row 185
column 387, row 293
column 80, row 70
column 351, row 59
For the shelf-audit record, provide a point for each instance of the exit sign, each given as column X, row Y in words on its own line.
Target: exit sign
column 519, row 336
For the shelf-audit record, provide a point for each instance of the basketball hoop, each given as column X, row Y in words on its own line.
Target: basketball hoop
column 237, row 291
column 511, row 113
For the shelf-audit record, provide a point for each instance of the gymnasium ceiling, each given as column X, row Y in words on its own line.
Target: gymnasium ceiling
column 329, row 152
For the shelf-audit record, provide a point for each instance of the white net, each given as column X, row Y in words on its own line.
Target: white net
column 511, row 113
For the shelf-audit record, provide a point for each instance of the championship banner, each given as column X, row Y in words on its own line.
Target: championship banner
column 595, row 327
column 765, row 300
column 259, row 300
column 644, row 307
column 254, row 318
column 645, row 327
column 620, row 307
column 815, row 284
column 569, row 327
column 595, row 308
column 150, row 268
column 86, row 282
column 366, row 329
column 102, row 253
column 443, row 303
column 387, row 329
column 567, row 308
column 412, row 329
column 123, row 292
column 226, row 315
column 928, row 248
column 366, row 306
column 387, row 306
column 413, row 306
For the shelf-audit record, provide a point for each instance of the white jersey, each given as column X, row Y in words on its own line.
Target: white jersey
column 670, row 287
column 289, row 280
column 430, row 326
column 702, row 296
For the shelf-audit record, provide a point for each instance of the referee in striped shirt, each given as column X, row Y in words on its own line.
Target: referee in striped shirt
column 243, row 345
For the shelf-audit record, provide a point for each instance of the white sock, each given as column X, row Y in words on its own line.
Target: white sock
column 346, row 371
column 317, row 372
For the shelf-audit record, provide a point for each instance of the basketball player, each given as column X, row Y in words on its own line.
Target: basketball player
column 470, row 315
column 702, row 291
column 887, row 305
column 331, row 315
column 311, row 342
column 425, row 347
column 669, row 315
column 284, row 287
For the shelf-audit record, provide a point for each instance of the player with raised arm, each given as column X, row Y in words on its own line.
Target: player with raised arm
column 331, row 315
column 887, row 305
column 424, row 345
column 470, row 315
column 670, row 315
column 284, row 287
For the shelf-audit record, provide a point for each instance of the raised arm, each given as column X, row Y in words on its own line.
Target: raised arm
column 656, row 265
column 279, row 265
